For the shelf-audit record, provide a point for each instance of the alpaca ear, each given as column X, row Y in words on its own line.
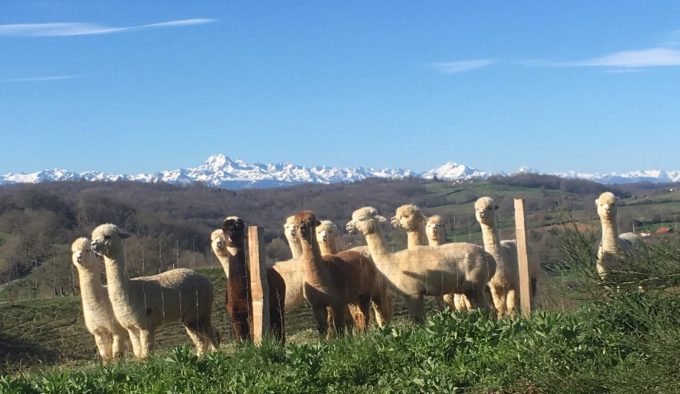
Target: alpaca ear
column 495, row 207
column 381, row 219
column 316, row 222
column 125, row 235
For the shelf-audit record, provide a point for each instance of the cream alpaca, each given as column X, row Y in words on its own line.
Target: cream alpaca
column 109, row 336
column 504, row 285
column 218, row 245
column 612, row 244
column 435, row 232
column 460, row 268
column 291, row 236
column 143, row 304
column 409, row 218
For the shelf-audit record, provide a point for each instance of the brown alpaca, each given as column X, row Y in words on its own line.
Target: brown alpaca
column 335, row 281
column 238, row 285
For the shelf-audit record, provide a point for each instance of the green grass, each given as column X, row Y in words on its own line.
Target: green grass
column 626, row 344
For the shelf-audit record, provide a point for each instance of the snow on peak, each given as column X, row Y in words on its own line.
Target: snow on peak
column 221, row 171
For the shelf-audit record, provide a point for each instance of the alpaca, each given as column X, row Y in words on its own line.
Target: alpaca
column 238, row 285
column 413, row 273
column 612, row 244
column 109, row 336
column 143, row 304
column 334, row 280
column 435, row 232
column 291, row 237
column 504, row 286
column 325, row 236
column 409, row 218
column 381, row 300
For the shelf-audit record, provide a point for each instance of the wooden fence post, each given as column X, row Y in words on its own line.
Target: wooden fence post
column 259, row 288
column 522, row 258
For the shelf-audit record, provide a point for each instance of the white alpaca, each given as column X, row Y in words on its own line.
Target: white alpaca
column 326, row 237
column 109, row 336
column 435, row 232
column 293, row 241
column 612, row 244
column 143, row 304
column 451, row 268
column 218, row 244
column 504, row 285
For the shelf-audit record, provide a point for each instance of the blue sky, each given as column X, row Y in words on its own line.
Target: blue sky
column 130, row 86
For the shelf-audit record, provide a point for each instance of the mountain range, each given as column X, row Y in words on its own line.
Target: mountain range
column 223, row 172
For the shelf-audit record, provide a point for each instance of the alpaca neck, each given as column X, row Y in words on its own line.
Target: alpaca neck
column 434, row 241
column 492, row 242
column 91, row 289
column 610, row 236
column 328, row 247
column 236, row 263
column 295, row 248
column 415, row 239
column 117, row 282
column 224, row 261
column 383, row 261
column 311, row 261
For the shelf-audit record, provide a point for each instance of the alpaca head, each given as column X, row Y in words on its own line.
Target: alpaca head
column 218, row 243
column 107, row 239
column 305, row 223
column 326, row 231
column 485, row 210
column 365, row 221
column 435, row 229
column 81, row 254
column 234, row 229
column 606, row 206
column 289, row 229
column 408, row 217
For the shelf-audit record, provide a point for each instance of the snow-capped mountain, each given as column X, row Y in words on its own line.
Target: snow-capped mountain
column 223, row 172
column 454, row 171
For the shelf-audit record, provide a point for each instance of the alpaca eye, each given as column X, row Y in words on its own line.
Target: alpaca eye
column 107, row 237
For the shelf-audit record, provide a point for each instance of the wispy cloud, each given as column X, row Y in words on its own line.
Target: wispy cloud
column 61, row 29
column 42, row 78
column 461, row 66
column 623, row 60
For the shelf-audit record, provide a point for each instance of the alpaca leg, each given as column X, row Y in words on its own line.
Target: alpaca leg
column 146, row 338
column 197, row 339
column 383, row 306
column 453, row 300
column 135, row 342
column 339, row 313
column 511, row 302
column 118, row 348
column 330, row 317
column 103, row 341
column 416, row 308
column 477, row 298
column 321, row 314
column 276, row 323
column 534, row 283
column 498, row 300
column 361, row 313
column 466, row 304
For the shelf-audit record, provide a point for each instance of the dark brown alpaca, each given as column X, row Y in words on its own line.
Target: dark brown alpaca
column 238, row 286
column 335, row 281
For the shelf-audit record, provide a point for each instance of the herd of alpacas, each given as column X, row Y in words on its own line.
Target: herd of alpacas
column 341, row 286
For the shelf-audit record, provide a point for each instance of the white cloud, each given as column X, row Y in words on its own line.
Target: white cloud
column 61, row 29
column 623, row 60
column 42, row 78
column 652, row 57
column 461, row 66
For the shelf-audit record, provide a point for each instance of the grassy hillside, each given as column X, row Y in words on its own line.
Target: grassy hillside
column 41, row 319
